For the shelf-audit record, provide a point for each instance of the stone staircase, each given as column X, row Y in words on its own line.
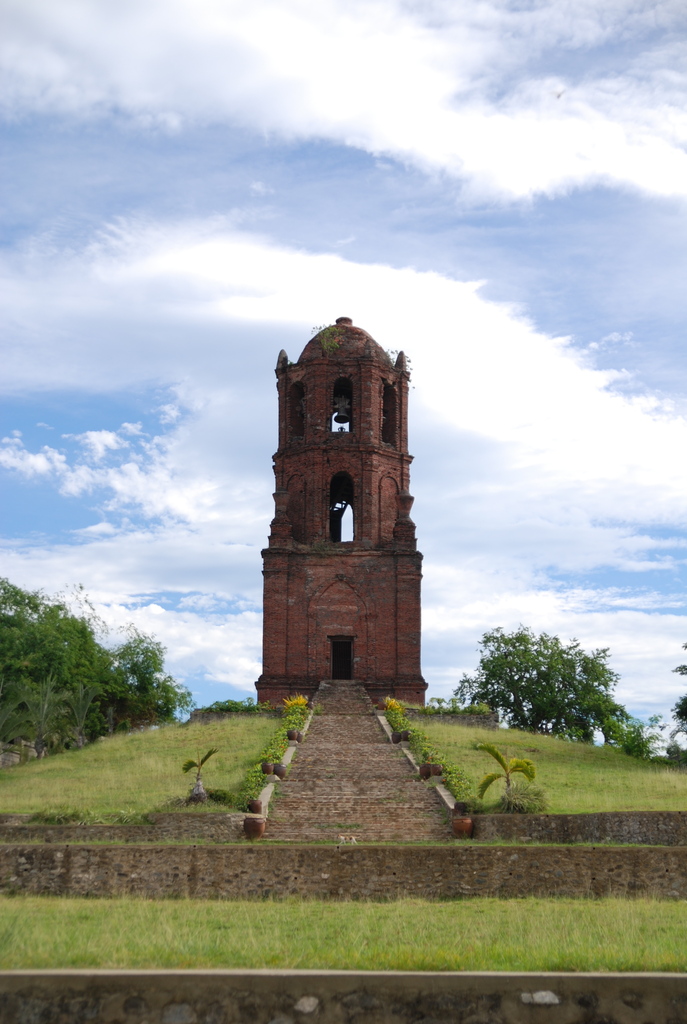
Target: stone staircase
column 347, row 779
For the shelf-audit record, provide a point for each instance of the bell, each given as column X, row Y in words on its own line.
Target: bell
column 342, row 405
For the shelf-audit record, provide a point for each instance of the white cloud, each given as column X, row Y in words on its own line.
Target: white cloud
column 529, row 464
column 99, row 442
column 514, row 99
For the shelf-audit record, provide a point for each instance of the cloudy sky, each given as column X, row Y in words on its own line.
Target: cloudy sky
column 498, row 187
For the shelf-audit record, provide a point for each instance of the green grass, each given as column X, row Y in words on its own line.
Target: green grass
column 412, row 934
column 578, row 777
column 137, row 772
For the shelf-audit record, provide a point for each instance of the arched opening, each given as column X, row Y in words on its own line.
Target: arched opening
column 341, row 519
column 389, row 414
column 341, row 420
column 296, row 410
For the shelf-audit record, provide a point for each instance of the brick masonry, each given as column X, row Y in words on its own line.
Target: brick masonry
column 317, row 588
column 348, row 779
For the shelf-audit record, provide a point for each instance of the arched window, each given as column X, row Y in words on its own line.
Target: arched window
column 389, row 414
column 342, row 407
column 341, row 519
column 296, row 410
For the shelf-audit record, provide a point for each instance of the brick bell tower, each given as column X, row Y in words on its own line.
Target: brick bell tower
column 342, row 571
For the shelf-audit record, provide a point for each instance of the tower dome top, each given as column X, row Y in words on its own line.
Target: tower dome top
column 343, row 341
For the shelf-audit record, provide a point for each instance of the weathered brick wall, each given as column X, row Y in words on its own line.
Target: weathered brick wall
column 241, row 871
column 339, row 997
column 367, row 589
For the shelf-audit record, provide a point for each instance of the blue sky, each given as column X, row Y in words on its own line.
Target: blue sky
column 498, row 188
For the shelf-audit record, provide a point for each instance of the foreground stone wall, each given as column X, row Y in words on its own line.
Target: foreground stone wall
column 652, row 828
column 383, row 872
column 339, row 997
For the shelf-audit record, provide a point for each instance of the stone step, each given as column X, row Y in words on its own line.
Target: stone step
column 348, row 779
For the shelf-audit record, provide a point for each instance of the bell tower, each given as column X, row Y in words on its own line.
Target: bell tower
column 342, row 571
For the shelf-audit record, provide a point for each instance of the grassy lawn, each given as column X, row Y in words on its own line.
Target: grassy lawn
column 136, row 772
column 466, row 935
column 578, row 778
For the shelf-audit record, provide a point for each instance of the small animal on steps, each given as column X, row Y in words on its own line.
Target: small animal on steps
column 346, row 839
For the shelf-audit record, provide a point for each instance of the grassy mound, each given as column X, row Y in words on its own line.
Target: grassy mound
column 137, row 772
column 578, row 777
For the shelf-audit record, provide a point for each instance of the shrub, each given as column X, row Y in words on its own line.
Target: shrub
column 221, row 796
column 293, row 717
column 523, row 798
column 455, row 779
column 247, row 706
column 297, row 701
column 391, row 704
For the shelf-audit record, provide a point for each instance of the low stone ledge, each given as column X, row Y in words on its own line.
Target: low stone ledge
column 339, row 997
column 213, row 827
column 207, row 717
column 649, row 828
column 490, row 721
column 350, row 872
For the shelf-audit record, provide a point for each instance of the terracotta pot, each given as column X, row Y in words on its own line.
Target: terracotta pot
column 405, row 735
column 292, row 734
column 300, row 737
column 425, row 771
column 255, row 806
column 437, row 769
column 267, row 768
column 395, row 737
column 253, row 828
column 380, row 706
column 462, row 827
column 280, row 771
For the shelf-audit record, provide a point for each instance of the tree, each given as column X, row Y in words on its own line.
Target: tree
column 541, row 685
column 637, row 738
column 45, row 706
column 43, row 637
column 143, row 693
column 79, row 704
column 679, row 711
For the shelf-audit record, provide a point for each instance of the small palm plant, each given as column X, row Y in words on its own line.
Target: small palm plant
column 510, row 768
column 198, row 794
column 79, row 704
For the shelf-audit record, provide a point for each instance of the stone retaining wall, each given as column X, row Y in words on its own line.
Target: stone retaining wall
column 217, row 827
column 647, row 828
column 473, row 721
column 206, row 717
column 652, row 828
column 351, row 872
column 339, row 997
